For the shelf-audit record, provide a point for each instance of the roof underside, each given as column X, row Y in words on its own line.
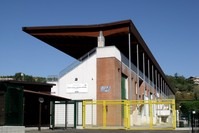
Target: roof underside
column 45, row 96
column 78, row 40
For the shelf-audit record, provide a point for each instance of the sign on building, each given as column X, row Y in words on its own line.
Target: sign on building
column 77, row 88
column 105, row 88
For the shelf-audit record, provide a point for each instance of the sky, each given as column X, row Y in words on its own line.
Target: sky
column 170, row 29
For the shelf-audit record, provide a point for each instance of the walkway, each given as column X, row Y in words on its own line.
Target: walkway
column 186, row 130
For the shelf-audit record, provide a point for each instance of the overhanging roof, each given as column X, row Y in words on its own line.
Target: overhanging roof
column 37, row 89
column 77, row 40
column 46, row 96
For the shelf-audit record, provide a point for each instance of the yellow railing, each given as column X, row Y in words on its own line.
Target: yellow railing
column 130, row 114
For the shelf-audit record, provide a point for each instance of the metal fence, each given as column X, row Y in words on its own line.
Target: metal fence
column 131, row 115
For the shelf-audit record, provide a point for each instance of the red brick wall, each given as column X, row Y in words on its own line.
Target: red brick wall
column 109, row 74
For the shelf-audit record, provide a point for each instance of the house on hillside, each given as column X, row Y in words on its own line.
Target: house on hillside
column 113, row 62
column 195, row 80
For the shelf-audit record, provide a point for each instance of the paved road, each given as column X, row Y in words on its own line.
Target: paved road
column 105, row 131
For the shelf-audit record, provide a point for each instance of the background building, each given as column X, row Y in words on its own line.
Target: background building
column 19, row 105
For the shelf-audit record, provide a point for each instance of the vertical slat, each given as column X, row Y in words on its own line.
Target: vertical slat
column 104, row 114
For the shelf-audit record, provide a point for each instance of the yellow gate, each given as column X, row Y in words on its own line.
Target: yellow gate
column 130, row 114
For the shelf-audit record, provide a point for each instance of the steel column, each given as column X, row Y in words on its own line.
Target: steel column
column 66, row 112
column 149, row 74
column 130, row 84
column 153, row 80
column 149, row 71
column 159, row 83
column 156, row 82
column 143, row 60
column 143, row 57
column 161, row 86
column 138, row 87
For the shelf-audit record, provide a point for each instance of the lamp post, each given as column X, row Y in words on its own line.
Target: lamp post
column 41, row 100
column 192, row 119
column 179, row 116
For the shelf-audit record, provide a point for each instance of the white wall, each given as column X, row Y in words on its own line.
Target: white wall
column 60, row 115
column 81, row 84
column 54, row 89
column 85, row 85
column 109, row 51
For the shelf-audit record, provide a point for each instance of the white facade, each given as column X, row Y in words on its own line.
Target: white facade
column 110, row 51
column 78, row 84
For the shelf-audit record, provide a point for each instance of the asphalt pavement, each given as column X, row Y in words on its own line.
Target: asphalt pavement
column 107, row 131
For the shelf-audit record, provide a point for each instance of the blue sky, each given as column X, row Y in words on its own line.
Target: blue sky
column 169, row 27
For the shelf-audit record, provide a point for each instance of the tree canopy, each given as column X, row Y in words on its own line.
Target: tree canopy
column 23, row 77
column 180, row 83
column 187, row 93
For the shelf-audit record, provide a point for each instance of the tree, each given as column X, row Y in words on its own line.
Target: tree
column 187, row 106
column 196, row 92
column 180, row 83
column 18, row 76
column 187, row 93
column 23, row 77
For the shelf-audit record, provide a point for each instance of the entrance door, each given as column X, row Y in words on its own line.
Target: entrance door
column 70, row 115
column 14, row 106
column 123, row 90
column 124, row 94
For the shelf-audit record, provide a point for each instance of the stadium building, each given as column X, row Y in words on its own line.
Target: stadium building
column 112, row 63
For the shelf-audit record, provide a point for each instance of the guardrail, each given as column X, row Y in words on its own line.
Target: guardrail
column 77, row 62
column 129, row 114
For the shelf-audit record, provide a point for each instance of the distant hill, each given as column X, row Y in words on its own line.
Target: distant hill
column 187, row 93
column 23, row 77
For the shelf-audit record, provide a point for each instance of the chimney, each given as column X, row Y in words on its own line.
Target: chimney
column 101, row 40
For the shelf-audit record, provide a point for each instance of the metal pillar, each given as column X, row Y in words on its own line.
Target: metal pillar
column 130, row 84
column 148, row 74
column 149, row 71
column 156, row 82
column 143, row 60
column 75, row 114
column 153, row 81
column 66, row 112
column 143, row 57
column 159, row 83
column 160, row 86
column 41, row 100
column 138, row 89
column 39, row 126
column 165, row 89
